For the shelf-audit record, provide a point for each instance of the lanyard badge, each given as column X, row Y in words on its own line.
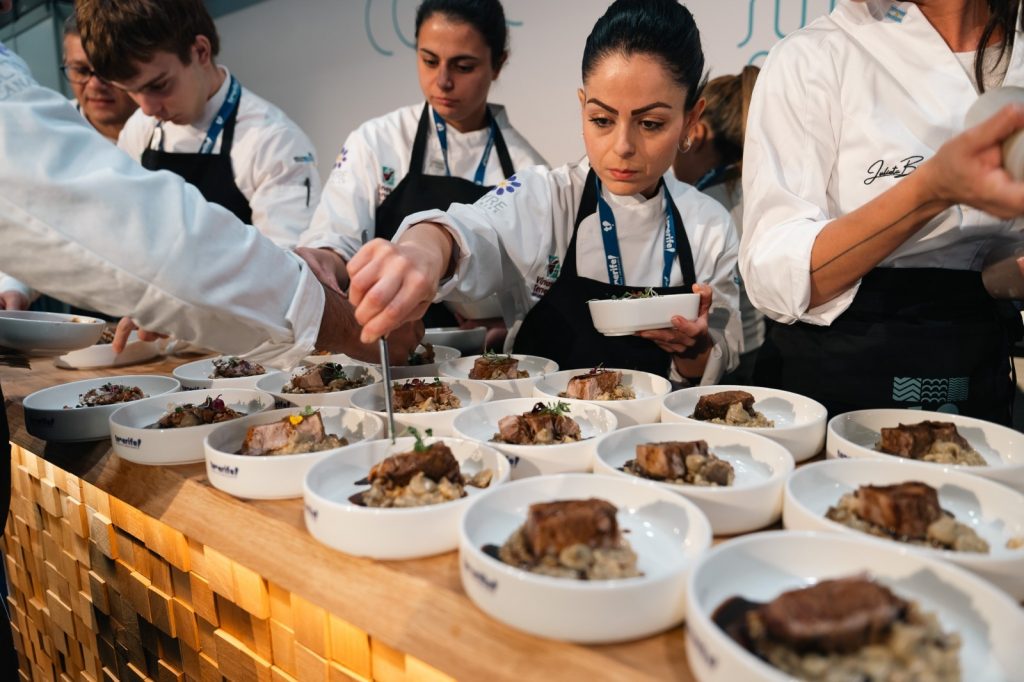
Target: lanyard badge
column 442, row 135
column 610, row 237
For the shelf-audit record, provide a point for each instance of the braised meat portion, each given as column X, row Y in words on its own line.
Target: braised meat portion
column 680, row 462
column 295, row 434
column 493, row 366
column 210, row 411
column 593, row 384
column 234, row 368
column 414, row 394
column 435, row 462
column 833, row 616
column 110, row 394
column 552, row 526
column 916, row 440
column 326, row 377
column 542, row 425
column 422, row 357
column 904, row 509
column 716, row 405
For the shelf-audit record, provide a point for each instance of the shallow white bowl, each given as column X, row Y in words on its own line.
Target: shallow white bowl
column 755, row 498
column 666, row 531
column 103, row 355
column 470, row 393
column 759, row 567
column 466, row 341
column 196, row 375
column 442, row 354
column 134, row 442
column 799, row 421
column 279, row 476
column 480, row 423
column 274, row 383
column 31, row 331
column 993, row 511
column 650, row 390
column 390, row 533
column 47, row 418
column 621, row 317
column 504, row 388
column 855, row 434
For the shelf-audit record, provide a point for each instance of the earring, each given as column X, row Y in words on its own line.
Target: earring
column 688, row 143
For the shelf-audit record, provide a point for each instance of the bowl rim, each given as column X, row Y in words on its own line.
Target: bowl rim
column 119, row 378
column 656, row 396
column 349, row 508
column 287, row 375
column 554, row 447
column 195, row 363
column 47, row 317
column 693, row 515
column 644, row 301
column 114, row 416
column 488, row 393
column 441, row 366
column 820, row 418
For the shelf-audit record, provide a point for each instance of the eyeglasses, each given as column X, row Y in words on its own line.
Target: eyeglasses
column 79, row 75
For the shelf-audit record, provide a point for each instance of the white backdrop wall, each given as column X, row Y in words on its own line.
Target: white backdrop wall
column 332, row 64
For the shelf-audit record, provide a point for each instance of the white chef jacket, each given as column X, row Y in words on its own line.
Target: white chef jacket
column 83, row 222
column 512, row 243
column 841, row 107
column 375, row 158
column 274, row 161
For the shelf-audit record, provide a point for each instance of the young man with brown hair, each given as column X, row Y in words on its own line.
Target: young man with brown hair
column 196, row 119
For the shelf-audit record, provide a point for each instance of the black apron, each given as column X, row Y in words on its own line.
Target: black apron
column 559, row 325
column 212, row 174
column 923, row 338
column 420, row 192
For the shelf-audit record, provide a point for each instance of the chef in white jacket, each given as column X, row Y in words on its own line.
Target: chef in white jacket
column 452, row 148
column 867, row 216
column 548, row 241
column 196, row 119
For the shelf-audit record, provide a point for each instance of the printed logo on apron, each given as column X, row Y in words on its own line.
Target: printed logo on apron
column 387, row 175
column 895, row 14
column 342, row 157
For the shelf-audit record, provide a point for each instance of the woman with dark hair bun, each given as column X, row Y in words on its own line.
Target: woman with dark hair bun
column 452, row 148
column 869, row 210
column 616, row 223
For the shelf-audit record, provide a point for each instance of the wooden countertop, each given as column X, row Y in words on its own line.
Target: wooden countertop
column 417, row 607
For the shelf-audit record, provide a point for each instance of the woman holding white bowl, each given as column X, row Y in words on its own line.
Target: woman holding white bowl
column 615, row 224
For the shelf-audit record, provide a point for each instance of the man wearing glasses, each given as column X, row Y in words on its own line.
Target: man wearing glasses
column 105, row 107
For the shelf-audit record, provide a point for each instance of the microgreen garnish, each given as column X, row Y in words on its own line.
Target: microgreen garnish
column 554, row 409
column 420, row 446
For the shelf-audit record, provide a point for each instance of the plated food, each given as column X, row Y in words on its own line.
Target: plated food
column 735, row 476
column 326, row 377
column 226, row 371
column 578, row 539
column 581, row 558
column 544, row 424
column 635, row 397
column 598, row 384
column 397, row 517
column 424, row 403
column 47, row 333
column 496, row 366
column 967, row 513
column 872, row 606
column 934, row 438
column 109, row 393
column 266, row 456
column 419, row 395
column 421, row 355
column 211, row 411
column 849, row 628
column 233, row 367
column 508, row 380
column 427, row 474
column 639, row 311
column 792, row 420
column 731, row 408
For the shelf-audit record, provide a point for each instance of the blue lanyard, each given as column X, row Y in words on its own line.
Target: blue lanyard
column 713, row 177
column 610, row 235
column 223, row 114
column 442, row 135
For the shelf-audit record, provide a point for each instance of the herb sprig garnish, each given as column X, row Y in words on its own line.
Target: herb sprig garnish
column 420, row 446
column 554, row 409
column 633, row 295
column 491, row 356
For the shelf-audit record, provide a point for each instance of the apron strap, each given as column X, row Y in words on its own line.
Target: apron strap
column 507, row 168
column 419, row 143
column 228, row 134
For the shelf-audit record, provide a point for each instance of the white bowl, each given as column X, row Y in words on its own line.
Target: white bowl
column 650, row 390
column 277, row 477
column 51, row 414
column 466, row 341
column 133, row 441
column 799, row 421
column 196, row 375
column 855, row 434
column 666, row 531
column 504, row 388
column 993, row 511
column 470, row 393
column 621, row 317
column 755, row 498
column 274, row 385
column 29, row 331
column 442, row 354
column 103, row 355
column 480, row 423
column 390, row 533
column 759, row 567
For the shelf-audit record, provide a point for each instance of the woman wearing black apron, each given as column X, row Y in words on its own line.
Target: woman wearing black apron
column 550, row 241
column 868, row 213
column 452, row 149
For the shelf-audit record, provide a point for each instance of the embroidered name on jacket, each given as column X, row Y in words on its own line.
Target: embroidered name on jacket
column 899, row 169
